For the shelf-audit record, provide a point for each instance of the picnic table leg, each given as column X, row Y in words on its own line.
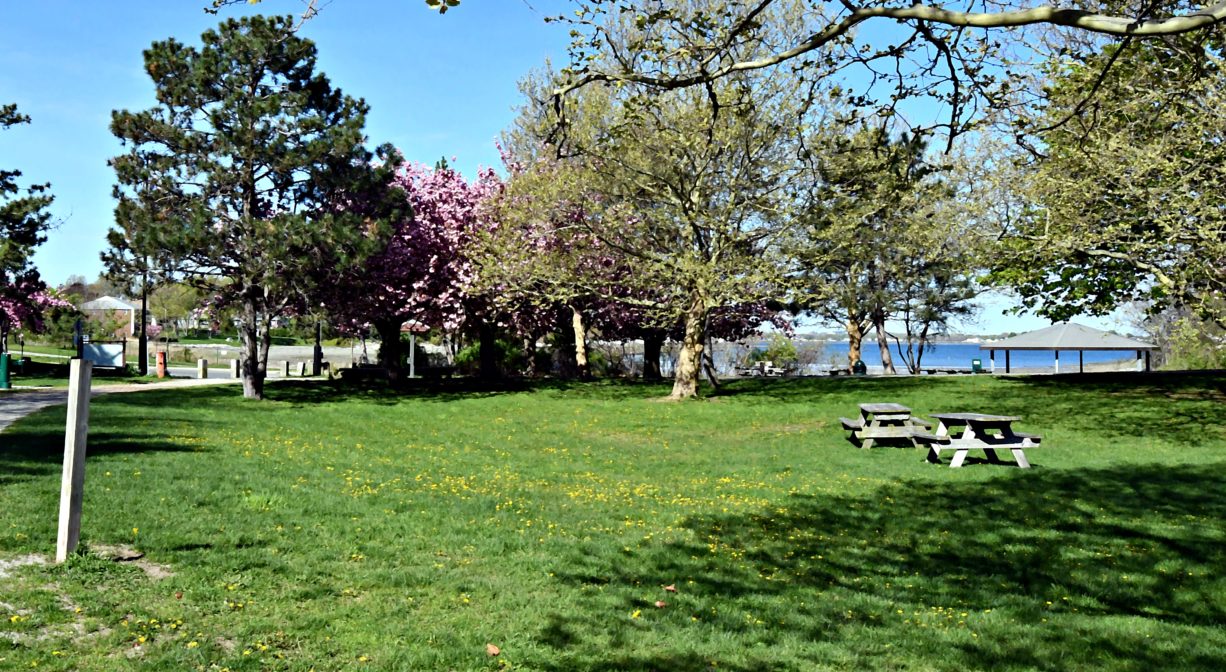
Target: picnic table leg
column 959, row 457
column 1018, row 453
column 1020, row 456
column 934, row 448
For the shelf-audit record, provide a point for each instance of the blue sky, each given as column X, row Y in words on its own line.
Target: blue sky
column 438, row 86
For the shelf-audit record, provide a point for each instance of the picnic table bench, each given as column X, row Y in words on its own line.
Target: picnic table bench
column 883, row 421
column 988, row 433
column 764, row 368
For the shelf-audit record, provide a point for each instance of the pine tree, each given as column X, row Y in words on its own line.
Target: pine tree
column 249, row 179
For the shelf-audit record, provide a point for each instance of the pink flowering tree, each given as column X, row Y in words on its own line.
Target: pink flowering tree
column 423, row 274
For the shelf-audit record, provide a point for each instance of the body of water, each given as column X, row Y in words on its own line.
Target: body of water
column 818, row 357
column 960, row 355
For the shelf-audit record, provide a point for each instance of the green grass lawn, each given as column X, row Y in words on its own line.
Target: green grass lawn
column 100, row 378
column 332, row 528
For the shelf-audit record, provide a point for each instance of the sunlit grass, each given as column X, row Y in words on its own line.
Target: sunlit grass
column 351, row 529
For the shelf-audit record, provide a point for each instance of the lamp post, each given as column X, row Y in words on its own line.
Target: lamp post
column 142, row 346
column 317, row 360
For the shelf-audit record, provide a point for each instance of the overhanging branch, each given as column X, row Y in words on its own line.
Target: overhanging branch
column 1072, row 18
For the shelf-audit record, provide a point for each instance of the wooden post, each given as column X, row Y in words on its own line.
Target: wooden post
column 992, row 360
column 413, row 354
column 302, row 369
column 72, row 485
column 234, row 368
column 1057, row 361
column 1081, row 361
column 285, row 368
column 202, row 369
column 1006, row 361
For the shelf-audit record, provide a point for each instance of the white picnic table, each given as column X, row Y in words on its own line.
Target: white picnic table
column 988, row 433
column 883, row 421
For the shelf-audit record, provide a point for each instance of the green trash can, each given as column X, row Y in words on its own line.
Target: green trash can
column 4, row 372
column 976, row 365
column 858, row 368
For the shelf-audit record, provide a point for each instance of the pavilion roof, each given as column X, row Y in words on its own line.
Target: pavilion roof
column 107, row 303
column 1068, row 336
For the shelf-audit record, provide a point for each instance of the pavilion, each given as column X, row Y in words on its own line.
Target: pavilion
column 1068, row 336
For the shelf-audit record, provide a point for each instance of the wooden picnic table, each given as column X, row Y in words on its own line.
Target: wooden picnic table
column 988, row 433
column 883, row 421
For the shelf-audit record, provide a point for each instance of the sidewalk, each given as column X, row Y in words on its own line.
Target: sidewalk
column 17, row 405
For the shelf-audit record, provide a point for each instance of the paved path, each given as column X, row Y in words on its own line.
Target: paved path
column 17, row 404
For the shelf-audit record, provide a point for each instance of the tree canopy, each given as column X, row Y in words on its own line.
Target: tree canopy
column 1124, row 193
column 248, row 178
column 24, row 221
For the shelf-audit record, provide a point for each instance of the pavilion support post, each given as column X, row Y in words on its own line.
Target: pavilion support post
column 1006, row 361
column 992, row 360
column 1057, row 361
column 1140, row 364
column 1081, row 361
column 413, row 354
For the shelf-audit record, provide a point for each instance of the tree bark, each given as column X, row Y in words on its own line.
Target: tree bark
column 580, row 331
column 708, row 355
column 689, row 360
column 883, row 342
column 855, row 341
column 653, row 345
column 265, row 344
column 390, row 354
column 529, row 345
column 249, row 333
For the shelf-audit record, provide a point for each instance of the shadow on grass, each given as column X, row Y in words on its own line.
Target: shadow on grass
column 453, row 389
column 1116, row 556
column 34, row 447
column 1180, row 406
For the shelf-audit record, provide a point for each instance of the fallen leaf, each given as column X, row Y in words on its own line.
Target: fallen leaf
column 178, row 595
column 670, row 588
column 492, row 650
column 660, row 604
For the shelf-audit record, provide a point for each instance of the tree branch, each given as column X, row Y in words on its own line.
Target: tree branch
column 1072, row 18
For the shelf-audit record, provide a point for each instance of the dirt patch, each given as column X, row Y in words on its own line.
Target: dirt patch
column 129, row 555
column 6, row 566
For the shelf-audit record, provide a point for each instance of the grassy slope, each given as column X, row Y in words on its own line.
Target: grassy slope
column 336, row 530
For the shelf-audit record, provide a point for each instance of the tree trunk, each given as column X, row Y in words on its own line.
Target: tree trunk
column 653, row 345
column 265, row 345
column 489, row 352
column 689, row 361
column 249, row 334
column 708, row 356
column 883, row 343
column 529, row 346
column 390, row 355
column 580, row 331
column 855, row 341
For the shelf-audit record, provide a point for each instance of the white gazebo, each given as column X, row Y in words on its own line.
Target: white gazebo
column 1068, row 336
column 116, row 307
